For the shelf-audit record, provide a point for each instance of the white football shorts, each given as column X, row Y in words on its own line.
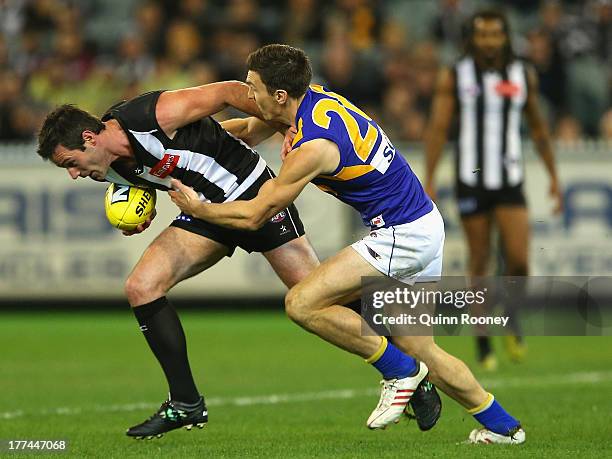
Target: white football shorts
column 410, row 253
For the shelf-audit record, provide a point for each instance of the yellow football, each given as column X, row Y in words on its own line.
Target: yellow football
column 128, row 206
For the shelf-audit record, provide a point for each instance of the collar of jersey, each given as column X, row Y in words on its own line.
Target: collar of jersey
column 303, row 105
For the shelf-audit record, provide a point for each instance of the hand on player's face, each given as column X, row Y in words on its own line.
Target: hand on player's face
column 143, row 226
column 183, row 196
column 289, row 136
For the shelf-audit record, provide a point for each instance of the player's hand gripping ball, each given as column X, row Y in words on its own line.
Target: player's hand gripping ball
column 128, row 206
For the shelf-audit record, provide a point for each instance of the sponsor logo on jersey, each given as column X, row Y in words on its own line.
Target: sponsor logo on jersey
column 377, row 221
column 283, row 230
column 279, row 217
column 165, row 167
column 507, row 89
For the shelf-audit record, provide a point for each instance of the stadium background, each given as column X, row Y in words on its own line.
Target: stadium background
column 57, row 251
column 382, row 55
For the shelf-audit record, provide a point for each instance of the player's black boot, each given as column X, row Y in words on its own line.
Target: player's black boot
column 171, row 415
column 426, row 405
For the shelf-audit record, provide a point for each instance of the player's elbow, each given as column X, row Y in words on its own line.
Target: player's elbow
column 255, row 220
column 251, row 225
column 259, row 214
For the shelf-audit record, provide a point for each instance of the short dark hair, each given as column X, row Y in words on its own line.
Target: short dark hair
column 282, row 67
column 64, row 126
column 490, row 14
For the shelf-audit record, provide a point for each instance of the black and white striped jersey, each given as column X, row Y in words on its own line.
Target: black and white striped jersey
column 202, row 154
column 489, row 104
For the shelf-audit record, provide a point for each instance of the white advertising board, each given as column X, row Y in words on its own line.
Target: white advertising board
column 56, row 243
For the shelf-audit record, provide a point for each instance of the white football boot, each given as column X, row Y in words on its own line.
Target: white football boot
column 394, row 397
column 486, row 436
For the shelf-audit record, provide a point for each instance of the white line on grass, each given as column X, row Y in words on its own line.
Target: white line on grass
column 593, row 377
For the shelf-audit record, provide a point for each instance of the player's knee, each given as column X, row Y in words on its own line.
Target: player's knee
column 133, row 290
column 295, row 306
column 141, row 289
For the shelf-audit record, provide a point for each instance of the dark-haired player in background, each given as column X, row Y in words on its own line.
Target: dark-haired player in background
column 488, row 90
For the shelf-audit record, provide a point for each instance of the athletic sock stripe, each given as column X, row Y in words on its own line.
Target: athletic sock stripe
column 483, row 406
column 381, row 350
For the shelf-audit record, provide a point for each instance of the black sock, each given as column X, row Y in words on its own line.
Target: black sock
column 484, row 346
column 162, row 329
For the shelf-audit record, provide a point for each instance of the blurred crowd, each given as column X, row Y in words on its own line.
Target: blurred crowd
column 382, row 55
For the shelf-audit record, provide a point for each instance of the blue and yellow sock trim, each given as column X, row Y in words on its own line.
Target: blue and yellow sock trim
column 483, row 406
column 381, row 350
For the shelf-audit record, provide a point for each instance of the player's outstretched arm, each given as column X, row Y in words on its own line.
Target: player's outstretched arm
column 300, row 167
column 437, row 129
column 541, row 137
column 183, row 106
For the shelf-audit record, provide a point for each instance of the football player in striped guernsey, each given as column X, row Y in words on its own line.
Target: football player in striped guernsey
column 149, row 140
column 344, row 152
column 488, row 90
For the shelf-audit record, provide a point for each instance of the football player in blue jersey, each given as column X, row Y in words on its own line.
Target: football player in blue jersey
column 344, row 152
column 133, row 140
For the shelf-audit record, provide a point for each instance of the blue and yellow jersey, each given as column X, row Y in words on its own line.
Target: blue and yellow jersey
column 371, row 177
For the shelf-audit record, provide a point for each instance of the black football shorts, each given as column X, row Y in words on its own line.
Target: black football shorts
column 472, row 200
column 280, row 229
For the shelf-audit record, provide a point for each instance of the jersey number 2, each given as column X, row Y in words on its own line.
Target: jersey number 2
column 363, row 145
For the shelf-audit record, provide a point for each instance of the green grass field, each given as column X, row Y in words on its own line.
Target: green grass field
column 275, row 391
